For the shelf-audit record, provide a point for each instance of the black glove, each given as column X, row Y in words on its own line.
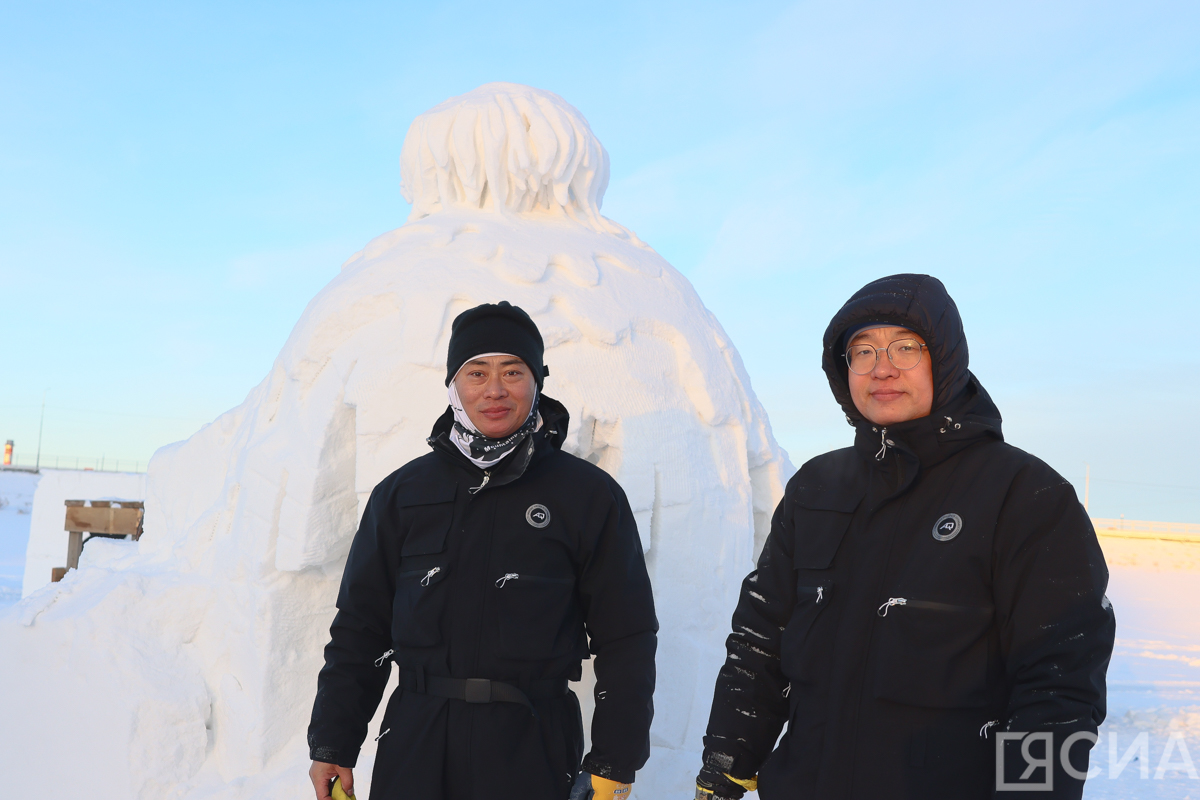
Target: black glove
column 712, row 784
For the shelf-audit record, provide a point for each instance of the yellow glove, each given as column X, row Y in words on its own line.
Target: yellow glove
column 593, row 787
column 338, row 793
column 705, row 791
column 750, row 784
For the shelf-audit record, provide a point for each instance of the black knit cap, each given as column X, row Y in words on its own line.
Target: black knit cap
column 495, row 328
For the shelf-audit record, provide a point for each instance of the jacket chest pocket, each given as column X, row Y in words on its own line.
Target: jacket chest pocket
column 537, row 616
column 820, row 522
column 418, row 605
column 935, row 655
column 428, row 515
column 801, row 649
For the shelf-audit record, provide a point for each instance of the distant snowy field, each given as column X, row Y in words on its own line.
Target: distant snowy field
column 1148, row 748
column 16, row 503
column 1154, row 679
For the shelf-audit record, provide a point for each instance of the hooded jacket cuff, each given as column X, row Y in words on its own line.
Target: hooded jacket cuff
column 331, row 755
column 603, row 769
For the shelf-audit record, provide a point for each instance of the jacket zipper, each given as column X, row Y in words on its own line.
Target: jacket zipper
column 513, row 576
column 487, row 476
column 819, row 591
column 929, row 604
column 426, row 574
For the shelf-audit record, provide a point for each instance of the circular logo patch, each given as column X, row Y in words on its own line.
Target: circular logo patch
column 537, row 515
column 947, row 527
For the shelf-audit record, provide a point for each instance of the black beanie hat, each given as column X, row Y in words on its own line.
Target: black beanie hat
column 495, row 328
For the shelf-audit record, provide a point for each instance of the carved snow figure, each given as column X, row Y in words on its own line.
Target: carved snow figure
column 196, row 652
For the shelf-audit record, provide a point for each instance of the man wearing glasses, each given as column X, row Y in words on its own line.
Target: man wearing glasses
column 928, row 614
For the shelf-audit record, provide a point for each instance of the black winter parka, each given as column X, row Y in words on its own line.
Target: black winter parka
column 918, row 592
column 426, row 582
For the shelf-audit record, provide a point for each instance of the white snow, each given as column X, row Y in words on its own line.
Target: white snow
column 187, row 667
column 1154, row 679
column 16, row 503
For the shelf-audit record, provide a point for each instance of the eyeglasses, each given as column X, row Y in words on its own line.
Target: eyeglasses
column 903, row 353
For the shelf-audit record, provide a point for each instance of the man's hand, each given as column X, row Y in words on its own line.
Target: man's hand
column 322, row 774
column 712, row 784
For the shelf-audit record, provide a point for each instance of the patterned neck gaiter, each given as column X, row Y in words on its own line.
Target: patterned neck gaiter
column 484, row 451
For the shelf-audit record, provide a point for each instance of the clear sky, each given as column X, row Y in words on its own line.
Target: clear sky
column 177, row 181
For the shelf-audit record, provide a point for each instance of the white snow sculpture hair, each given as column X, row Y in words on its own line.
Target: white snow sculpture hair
column 504, row 146
column 223, row 614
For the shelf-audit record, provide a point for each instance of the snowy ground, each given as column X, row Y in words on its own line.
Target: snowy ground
column 1154, row 680
column 16, row 503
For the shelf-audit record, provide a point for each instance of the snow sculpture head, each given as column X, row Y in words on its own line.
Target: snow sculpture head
column 249, row 521
column 504, row 146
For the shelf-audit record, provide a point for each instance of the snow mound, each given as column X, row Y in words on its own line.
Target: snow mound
column 188, row 668
column 504, row 147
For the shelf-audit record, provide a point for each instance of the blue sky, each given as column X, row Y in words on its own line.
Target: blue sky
column 176, row 182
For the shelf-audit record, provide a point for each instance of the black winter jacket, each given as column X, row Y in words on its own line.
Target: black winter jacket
column 919, row 592
column 425, row 578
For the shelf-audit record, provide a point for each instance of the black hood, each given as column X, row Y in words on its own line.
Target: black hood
column 917, row 302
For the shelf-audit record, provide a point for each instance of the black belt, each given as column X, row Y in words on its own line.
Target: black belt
column 482, row 690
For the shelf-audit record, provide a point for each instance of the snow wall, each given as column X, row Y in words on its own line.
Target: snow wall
column 186, row 665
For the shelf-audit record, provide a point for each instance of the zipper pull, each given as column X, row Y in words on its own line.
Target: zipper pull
column 820, row 594
column 983, row 732
column 508, row 576
column 379, row 661
column 883, row 445
column 430, row 574
column 487, row 476
column 892, row 601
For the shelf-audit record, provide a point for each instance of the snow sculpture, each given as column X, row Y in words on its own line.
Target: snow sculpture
column 223, row 611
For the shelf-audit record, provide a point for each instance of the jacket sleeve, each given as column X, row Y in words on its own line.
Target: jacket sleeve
column 1056, row 625
column 749, row 704
column 622, row 628
column 350, row 686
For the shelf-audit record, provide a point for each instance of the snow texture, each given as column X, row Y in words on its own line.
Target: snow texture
column 185, row 665
column 16, row 503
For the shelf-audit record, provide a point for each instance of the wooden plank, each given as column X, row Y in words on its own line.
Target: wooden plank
column 104, row 520
column 57, row 573
column 74, row 549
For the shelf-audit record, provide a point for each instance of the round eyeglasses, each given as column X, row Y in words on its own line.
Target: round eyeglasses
column 903, row 353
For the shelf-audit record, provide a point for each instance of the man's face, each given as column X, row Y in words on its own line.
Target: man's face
column 497, row 393
column 887, row 395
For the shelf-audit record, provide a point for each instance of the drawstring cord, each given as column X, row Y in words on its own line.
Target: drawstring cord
column 892, row 601
column 884, row 442
column 949, row 421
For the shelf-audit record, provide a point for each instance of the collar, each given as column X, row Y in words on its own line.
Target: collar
column 969, row 418
column 548, row 438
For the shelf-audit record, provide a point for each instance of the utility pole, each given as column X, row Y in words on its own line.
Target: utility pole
column 1087, row 484
column 41, row 425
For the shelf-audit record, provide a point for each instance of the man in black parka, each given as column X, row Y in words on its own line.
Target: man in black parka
column 487, row 569
column 924, row 597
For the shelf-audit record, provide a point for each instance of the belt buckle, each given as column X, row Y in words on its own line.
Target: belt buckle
column 478, row 690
